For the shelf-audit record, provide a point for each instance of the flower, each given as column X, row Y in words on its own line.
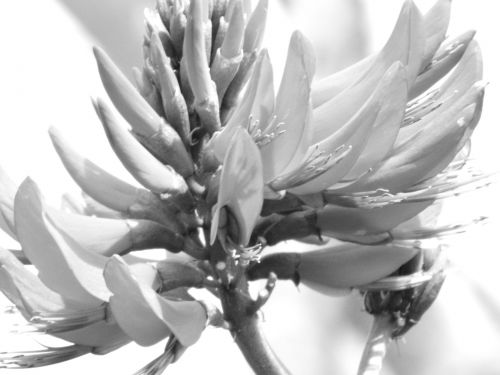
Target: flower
column 226, row 168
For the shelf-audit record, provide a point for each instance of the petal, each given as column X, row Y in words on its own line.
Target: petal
column 448, row 55
column 254, row 31
column 173, row 102
column 28, row 293
column 355, row 133
column 293, row 110
column 405, row 45
column 95, row 181
column 241, row 186
column 63, row 265
column 468, row 71
column 436, row 22
column 257, row 104
column 139, row 162
column 385, row 129
column 146, row 316
column 335, row 220
column 350, row 265
column 114, row 236
column 132, row 106
column 204, row 90
column 430, row 150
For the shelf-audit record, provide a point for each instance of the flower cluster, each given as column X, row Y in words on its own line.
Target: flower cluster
column 226, row 166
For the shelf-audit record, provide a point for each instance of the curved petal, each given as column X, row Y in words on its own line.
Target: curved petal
column 114, row 236
column 429, row 151
column 448, row 55
column 405, row 44
column 290, row 133
column 28, row 293
column 145, row 168
column 95, row 181
column 253, row 111
column 334, row 220
column 356, row 132
column 63, row 266
column 146, row 316
column 241, row 186
column 350, row 265
column 436, row 22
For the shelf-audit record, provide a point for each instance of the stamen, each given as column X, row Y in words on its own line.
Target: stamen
column 39, row 358
column 316, row 163
column 158, row 365
column 68, row 321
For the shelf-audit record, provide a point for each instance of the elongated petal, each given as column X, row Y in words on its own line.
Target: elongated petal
column 445, row 59
column 204, row 90
column 293, row 110
column 432, row 149
column 139, row 162
column 96, row 182
column 227, row 59
column 405, row 46
column 63, row 266
column 174, row 104
column 28, row 293
column 125, row 97
column 385, row 129
column 257, row 104
column 335, row 220
column 115, row 236
column 7, row 193
column 408, row 30
column 254, row 31
column 146, row 316
column 356, row 132
column 349, row 265
column 436, row 22
column 241, row 186
column 420, row 111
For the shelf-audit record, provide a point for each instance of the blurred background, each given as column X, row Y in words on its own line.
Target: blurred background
column 47, row 76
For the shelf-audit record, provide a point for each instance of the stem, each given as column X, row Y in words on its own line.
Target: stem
column 376, row 345
column 247, row 331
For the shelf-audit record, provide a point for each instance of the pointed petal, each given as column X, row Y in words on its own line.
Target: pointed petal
column 241, row 186
column 436, row 22
column 28, row 293
column 335, row 220
column 227, row 59
column 174, row 104
column 139, row 162
column 443, row 62
column 114, row 236
column 257, row 104
column 405, row 44
column 421, row 110
column 256, row 25
column 385, row 129
column 146, row 316
column 356, row 132
column 96, row 182
column 132, row 106
column 432, row 149
column 349, row 265
column 293, row 110
column 204, row 90
column 63, row 266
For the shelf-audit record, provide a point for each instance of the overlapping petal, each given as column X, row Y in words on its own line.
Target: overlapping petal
column 146, row 316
